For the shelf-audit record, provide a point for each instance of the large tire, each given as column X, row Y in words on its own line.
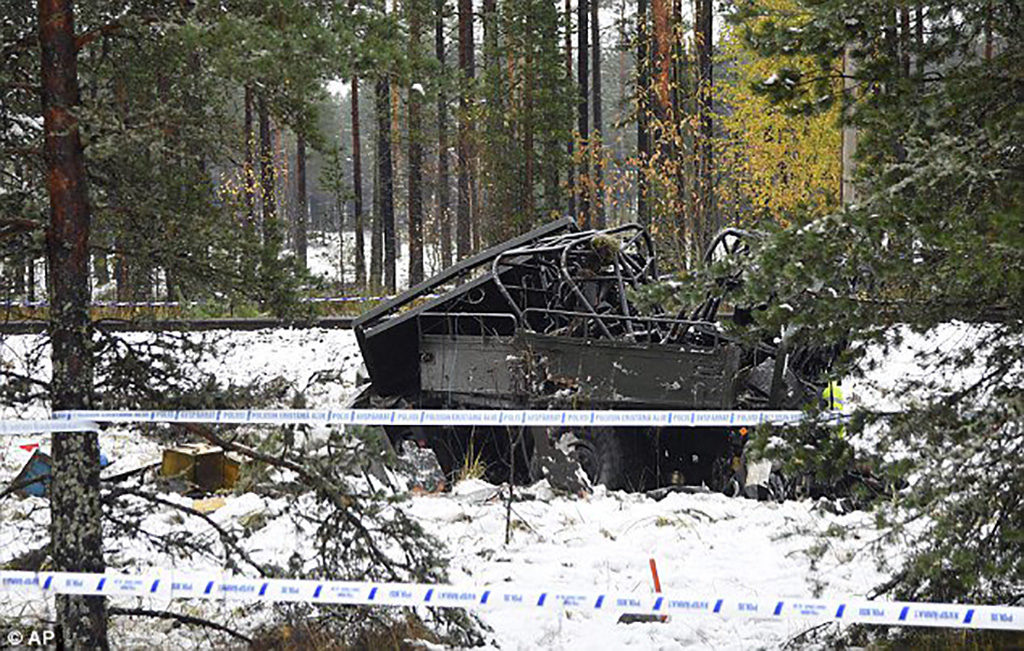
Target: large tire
column 615, row 458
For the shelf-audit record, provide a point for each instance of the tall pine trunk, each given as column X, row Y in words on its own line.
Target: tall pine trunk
column 705, row 213
column 528, row 137
column 595, row 46
column 583, row 122
column 267, row 180
column 302, row 203
column 357, row 189
column 249, row 174
column 663, row 36
column 568, row 75
column 376, row 236
column 466, row 69
column 76, row 527
column 444, row 217
column 643, row 111
column 415, row 161
column 386, row 180
column 620, row 191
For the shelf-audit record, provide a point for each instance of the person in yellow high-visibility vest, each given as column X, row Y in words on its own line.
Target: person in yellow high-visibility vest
column 832, row 395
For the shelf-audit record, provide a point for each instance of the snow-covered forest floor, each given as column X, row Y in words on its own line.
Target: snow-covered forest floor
column 703, row 543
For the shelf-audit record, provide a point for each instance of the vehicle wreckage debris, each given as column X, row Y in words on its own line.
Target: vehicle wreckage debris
column 550, row 320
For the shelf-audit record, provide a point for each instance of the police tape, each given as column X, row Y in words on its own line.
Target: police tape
column 87, row 420
column 442, row 417
column 16, row 427
column 197, row 585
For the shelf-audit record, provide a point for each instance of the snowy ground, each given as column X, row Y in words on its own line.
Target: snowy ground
column 703, row 543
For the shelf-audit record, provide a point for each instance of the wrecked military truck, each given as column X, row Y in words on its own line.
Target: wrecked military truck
column 548, row 320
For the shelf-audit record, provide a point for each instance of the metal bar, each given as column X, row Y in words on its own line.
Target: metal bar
column 459, row 269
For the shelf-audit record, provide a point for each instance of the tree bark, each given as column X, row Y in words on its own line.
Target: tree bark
column 415, row 159
column 76, row 542
column 662, row 10
column 619, row 189
column 386, row 181
column 905, row 38
column 248, row 173
column 444, row 217
column 376, row 235
column 595, row 46
column 528, row 135
column 643, row 107
column 302, row 202
column 568, row 75
column 919, row 38
column 357, row 188
column 267, row 180
column 705, row 213
column 583, row 121
column 466, row 68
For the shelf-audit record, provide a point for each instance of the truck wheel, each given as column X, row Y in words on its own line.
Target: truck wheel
column 613, row 458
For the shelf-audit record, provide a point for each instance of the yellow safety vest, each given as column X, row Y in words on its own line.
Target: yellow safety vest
column 833, row 397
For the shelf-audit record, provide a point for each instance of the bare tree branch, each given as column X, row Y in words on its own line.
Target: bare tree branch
column 190, row 620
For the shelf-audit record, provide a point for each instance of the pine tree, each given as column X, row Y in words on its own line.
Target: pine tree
column 583, row 119
column 444, row 217
column 935, row 236
column 302, row 203
column 642, row 95
column 415, row 158
column 76, row 515
column 385, row 182
column 598, row 144
column 704, row 214
column 466, row 68
column 357, row 188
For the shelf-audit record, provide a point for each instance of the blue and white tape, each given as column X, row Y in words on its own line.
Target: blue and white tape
column 436, row 417
column 198, row 585
column 86, row 420
column 16, row 427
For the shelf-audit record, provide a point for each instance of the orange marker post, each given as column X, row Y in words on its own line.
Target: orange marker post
column 657, row 585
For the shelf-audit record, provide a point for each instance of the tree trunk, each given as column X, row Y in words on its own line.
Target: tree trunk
column 466, row 65
column 463, row 215
column 339, row 206
column 568, row 75
column 705, row 214
column 583, row 122
column 662, row 10
column 415, row 159
column 357, row 188
column 620, row 191
column 919, row 38
column 248, row 172
column 528, row 137
column 267, row 180
column 444, row 217
column 31, row 280
column 386, row 181
column 302, row 203
column 595, row 46
column 643, row 108
column 905, row 38
column 76, row 528
column 376, row 235
column 489, row 210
